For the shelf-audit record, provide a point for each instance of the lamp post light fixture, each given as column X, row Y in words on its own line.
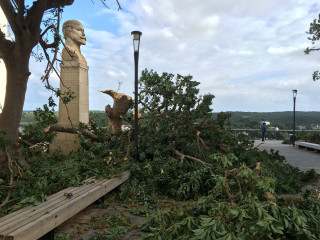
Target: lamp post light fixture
column 136, row 46
column 295, row 91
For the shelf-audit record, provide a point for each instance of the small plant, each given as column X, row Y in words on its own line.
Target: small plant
column 310, row 175
column 116, row 226
column 63, row 236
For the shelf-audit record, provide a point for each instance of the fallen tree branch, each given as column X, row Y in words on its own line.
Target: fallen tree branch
column 204, row 119
column 126, row 157
column 296, row 198
column 86, row 133
column 235, row 172
column 163, row 114
column 199, row 139
column 6, row 200
column 25, row 142
column 7, row 186
column 182, row 156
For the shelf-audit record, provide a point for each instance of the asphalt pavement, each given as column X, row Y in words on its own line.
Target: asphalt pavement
column 298, row 157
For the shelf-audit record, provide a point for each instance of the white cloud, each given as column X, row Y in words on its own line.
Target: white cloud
column 282, row 50
column 248, row 53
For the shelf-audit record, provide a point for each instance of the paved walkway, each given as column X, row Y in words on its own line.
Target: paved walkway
column 298, row 157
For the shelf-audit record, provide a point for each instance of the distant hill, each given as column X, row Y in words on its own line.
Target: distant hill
column 283, row 120
column 252, row 120
column 99, row 116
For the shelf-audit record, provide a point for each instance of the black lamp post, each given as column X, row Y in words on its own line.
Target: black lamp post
column 136, row 45
column 295, row 91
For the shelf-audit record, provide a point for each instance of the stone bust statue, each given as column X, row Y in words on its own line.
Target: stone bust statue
column 74, row 34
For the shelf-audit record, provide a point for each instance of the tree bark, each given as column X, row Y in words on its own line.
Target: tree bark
column 86, row 133
column 17, row 78
column 17, row 66
column 121, row 105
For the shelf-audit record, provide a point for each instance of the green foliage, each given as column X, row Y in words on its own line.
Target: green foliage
column 45, row 117
column 117, row 226
column 288, row 178
column 62, row 236
column 161, row 171
column 310, row 175
column 65, row 96
column 99, row 118
column 313, row 137
column 251, row 219
column 185, row 154
column 314, row 31
column 164, row 98
column 234, row 185
column 167, row 177
column 51, row 173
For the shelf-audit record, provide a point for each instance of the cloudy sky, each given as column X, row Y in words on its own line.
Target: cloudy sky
column 248, row 53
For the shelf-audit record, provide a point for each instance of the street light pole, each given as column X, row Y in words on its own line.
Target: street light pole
column 295, row 91
column 136, row 45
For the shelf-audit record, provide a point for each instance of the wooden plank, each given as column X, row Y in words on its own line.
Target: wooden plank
column 37, row 211
column 15, row 214
column 15, row 219
column 56, row 217
column 44, row 209
column 45, row 223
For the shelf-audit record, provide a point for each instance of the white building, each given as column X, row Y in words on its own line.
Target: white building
column 267, row 123
column 3, row 72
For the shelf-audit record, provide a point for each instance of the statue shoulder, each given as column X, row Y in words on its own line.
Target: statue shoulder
column 73, row 55
column 69, row 55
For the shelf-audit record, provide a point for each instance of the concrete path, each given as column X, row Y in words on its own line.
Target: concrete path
column 298, row 157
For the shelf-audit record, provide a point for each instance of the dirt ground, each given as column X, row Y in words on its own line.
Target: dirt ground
column 96, row 220
column 107, row 217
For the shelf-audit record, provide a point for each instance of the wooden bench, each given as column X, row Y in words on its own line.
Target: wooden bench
column 32, row 222
column 308, row 146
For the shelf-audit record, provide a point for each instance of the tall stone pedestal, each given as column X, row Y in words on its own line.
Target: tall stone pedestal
column 74, row 77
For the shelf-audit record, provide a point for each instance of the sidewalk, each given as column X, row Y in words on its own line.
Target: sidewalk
column 297, row 157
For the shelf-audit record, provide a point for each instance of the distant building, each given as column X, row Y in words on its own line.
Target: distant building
column 315, row 127
column 301, row 127
column 267, row 123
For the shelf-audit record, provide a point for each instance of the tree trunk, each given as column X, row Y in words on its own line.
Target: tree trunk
column 17, row 78
column 25, row 24
column 121, row 105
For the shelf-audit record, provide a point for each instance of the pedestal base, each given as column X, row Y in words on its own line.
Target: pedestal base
column 68, row 142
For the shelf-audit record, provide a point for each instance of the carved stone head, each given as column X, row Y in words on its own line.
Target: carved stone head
column 74, row 34
column 73, row 30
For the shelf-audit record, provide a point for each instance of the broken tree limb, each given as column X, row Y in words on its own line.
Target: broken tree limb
column 6, row 200
column 86, row 133
column 235, row 172
column 121, row 104
column 182, row 156
column 200, row 124
column 199, row 139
